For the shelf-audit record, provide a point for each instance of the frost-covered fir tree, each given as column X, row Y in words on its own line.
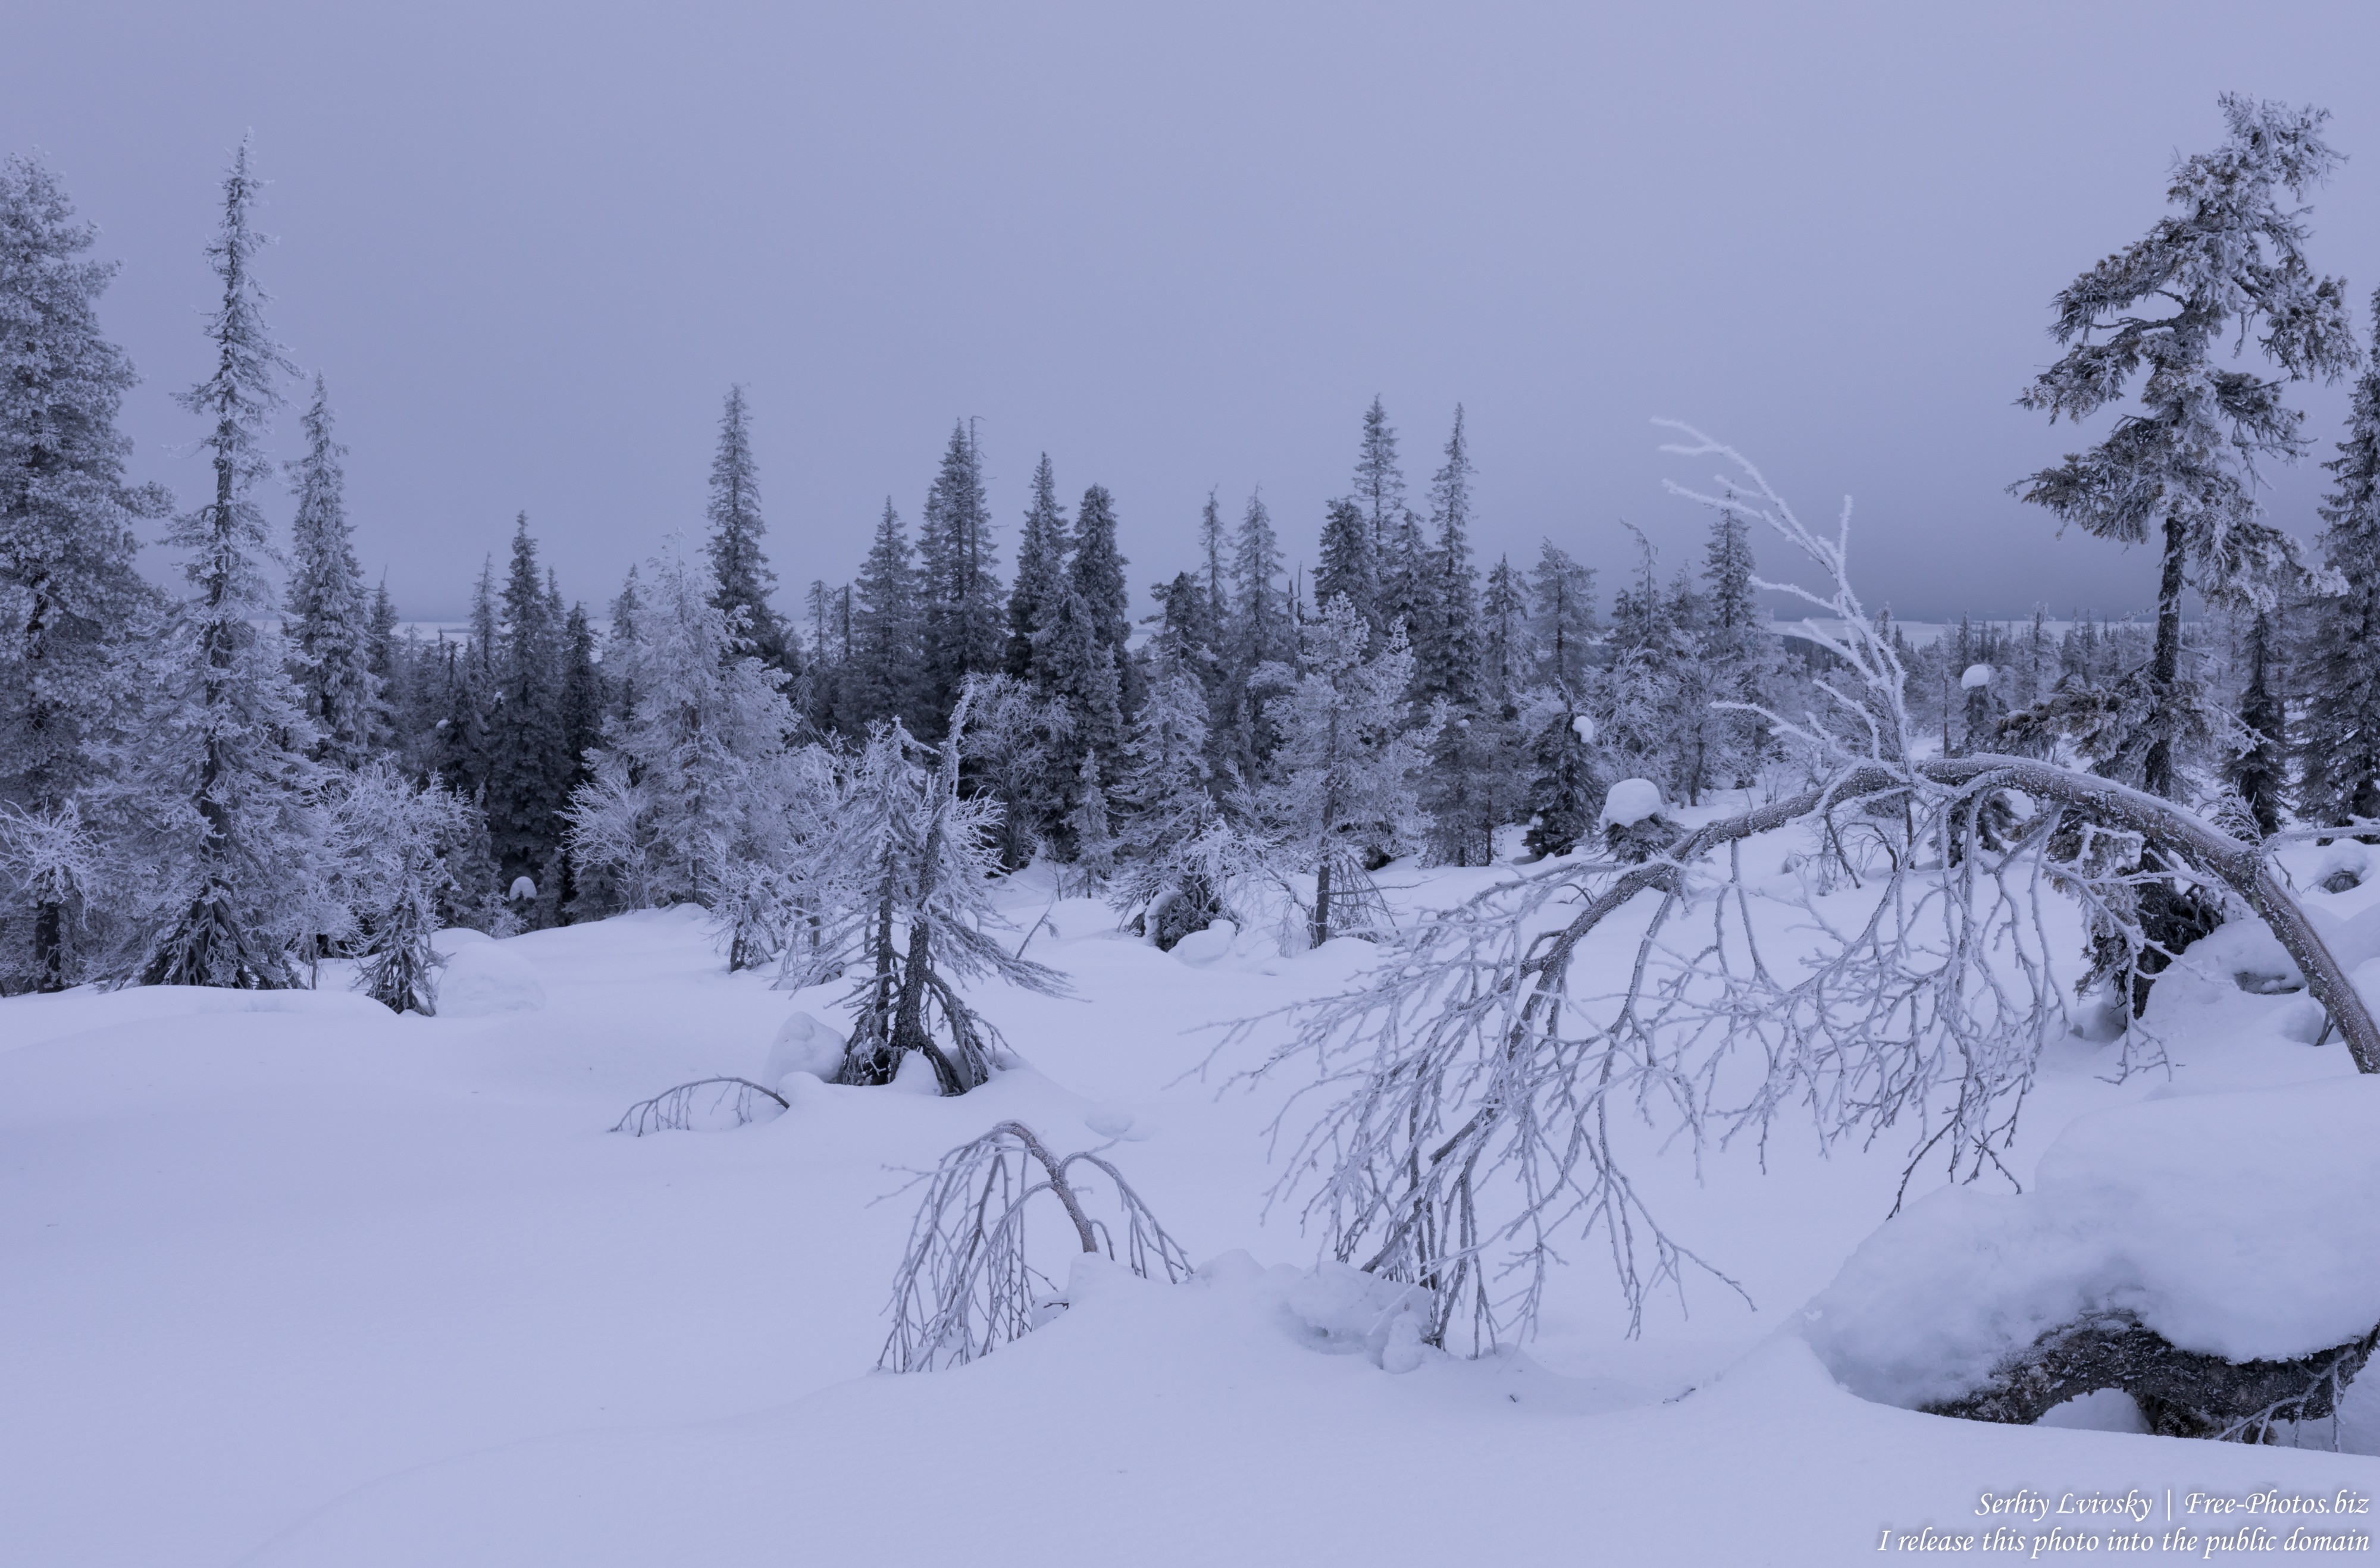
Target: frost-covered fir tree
column 1213, row 553
column 2179, row 472
column 1175, row 849
column 927, row 852
column 693, row 780
column 1566, row 781
column 1445, row 629
column 1040, row 569
column 1020, row 754
column 69, row 599
column 1090, row 828
column 1073, row 667
column 1343, row 800
column 235, row 848
column 1562, row 622
column 325, row 621
column 399, row 844
column 2339, row 736
column 1503, row 640
column 2257, row 768
column 1348, row 569
column 741, row 579
column 1638, row 699
column 959, row 580
column 530, row 765
column 1258, row 633
column 1737, row 650
column 388, row 659
column 1380, row 492
column 1097, row 573
column 885, row 677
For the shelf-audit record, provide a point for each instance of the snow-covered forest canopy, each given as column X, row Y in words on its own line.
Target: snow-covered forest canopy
column 1506, row 899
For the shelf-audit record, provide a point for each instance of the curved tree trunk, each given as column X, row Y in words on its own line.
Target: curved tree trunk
column 2243, row 867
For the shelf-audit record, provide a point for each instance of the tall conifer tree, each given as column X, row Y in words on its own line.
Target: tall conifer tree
column 328, row 626
column 69, row 595
column 240, row 843
column 741, row 578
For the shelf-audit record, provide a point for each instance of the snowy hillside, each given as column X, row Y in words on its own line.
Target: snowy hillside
column 291, row 1279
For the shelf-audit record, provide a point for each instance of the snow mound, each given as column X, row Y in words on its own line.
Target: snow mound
column 2238, row 955
column 523, row 887
column 1348, row 1312
column 804, row 1045
column 1205, row 947
column 453, row 939
column 1976, row 675
column 2344, row 865
column 1630, row 802
column 2237, row 1224
column 483, row 977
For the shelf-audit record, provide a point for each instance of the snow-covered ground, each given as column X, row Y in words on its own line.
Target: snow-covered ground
column 287, row 1279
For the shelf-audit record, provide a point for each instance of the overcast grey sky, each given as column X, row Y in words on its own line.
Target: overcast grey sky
column 1176, row 247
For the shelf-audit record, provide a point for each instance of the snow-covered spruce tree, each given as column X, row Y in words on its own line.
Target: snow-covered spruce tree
column 1445, row 629
column 1638, row 704
column 741, row 579
column 1699, row 751
column 2337, row 740
column 959, row 582
column 1040, row 569
column 1211, row 551
column 1176, row 853
column 1020, row 753
column 325, row 619
column 529, row 767
column 1348, row 569
column 2181, row 471
column 885, row 677
column 236, row 847
column 1097, row 573
column 691, row 781
column 1562, row 623
column 1566, row 781
column 389, row 660
column 69, row 598
column 2257, row 769
column 928, row 853
column 1343, row 800
column 398, row 846
column 1736, row 648
column 1380, row 492
column 1090, row 829
column 1257, row 632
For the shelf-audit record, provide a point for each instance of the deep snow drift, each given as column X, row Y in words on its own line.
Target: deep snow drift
column 287, row 1279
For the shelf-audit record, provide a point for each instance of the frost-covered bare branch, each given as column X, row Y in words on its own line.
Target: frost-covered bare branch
column 967, row 1282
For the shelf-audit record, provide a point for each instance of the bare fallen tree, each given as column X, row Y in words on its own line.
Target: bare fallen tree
column 966, row 1286
column 1481, row 1081
column 705, row 1102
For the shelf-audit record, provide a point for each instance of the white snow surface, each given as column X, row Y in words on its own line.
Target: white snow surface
column 2241, row 1224
column 1630, row 802
column 804, row 1043
column 288, row 1279
column 483, row 977
column 1976, row 675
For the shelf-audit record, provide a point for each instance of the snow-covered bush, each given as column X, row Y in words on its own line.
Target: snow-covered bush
column 397, row 846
